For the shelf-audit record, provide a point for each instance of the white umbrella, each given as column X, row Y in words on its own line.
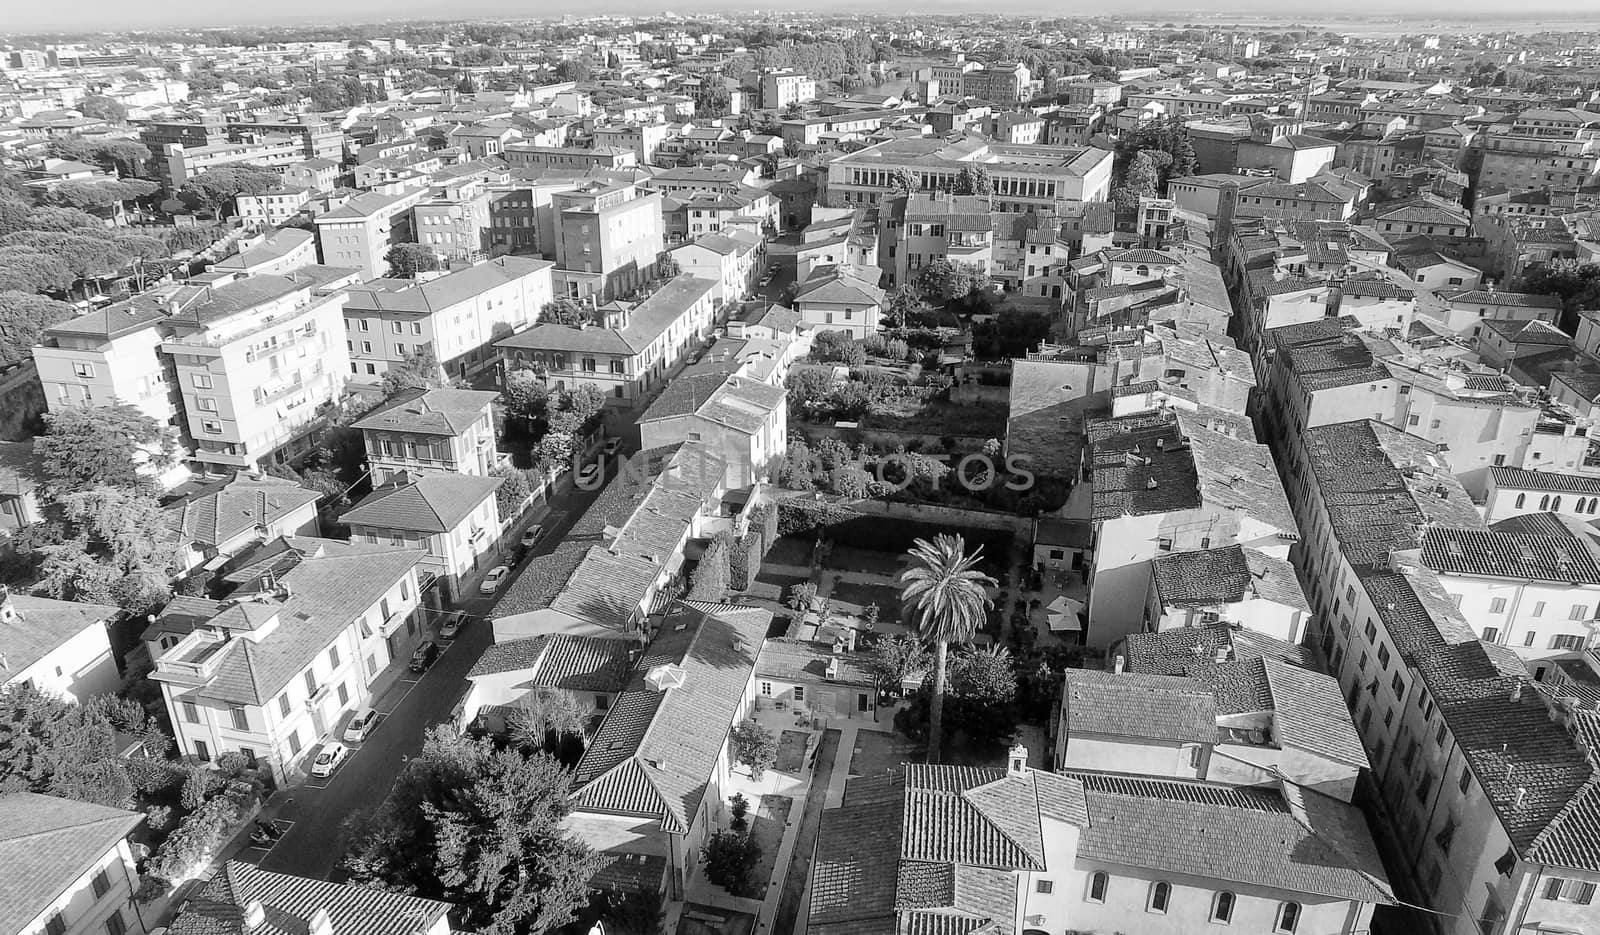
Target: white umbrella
column 1064, row 622
column 1064, row 605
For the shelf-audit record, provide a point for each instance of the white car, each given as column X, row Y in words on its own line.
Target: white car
column 588, row 475
column 356, row 731
column 494, row 579
column 329, row 759
column 532, row 536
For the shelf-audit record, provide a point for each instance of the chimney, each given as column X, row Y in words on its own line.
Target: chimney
column 1017, row 760
column 8, row 609
column 832, row 673
column 1516, row 692
column 320, row 923
column 255, row 915
column 1118, row 663
column 1522, row 795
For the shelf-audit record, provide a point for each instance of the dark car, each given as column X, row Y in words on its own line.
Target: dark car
column 426, row 652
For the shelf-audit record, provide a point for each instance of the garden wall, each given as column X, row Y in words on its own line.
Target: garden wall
column 883, row 439
column 890, row 526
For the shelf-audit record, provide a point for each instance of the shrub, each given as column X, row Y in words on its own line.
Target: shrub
column 746, row 559
column 155, row 778
column 158, row 817
column 730, row 857
column 711, row 577
column 189, row 848
column 198, row 786
column 802, row 596
column 151, row 888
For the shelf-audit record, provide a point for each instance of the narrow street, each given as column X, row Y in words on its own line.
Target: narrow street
column 315, row 810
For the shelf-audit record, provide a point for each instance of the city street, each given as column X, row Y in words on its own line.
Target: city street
column 315, row 810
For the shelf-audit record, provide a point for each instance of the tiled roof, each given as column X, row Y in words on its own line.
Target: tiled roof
column 1499, row 554
column 47, row 843
column 574, row 663
column 1521, row 479
column 429, row 503
column 646, row 322
column 235, row 506
column 654, row 753
column 1284, row 838
column 447, row 412
column 1225, row 575
column 1508, row 299
column 1162, row 708
column 807, row 661
column 1310, row 713
column 218, row 907
column 46, row 624
column 1178, row 651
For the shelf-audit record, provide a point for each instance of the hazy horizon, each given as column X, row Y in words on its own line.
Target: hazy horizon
column 108, row 15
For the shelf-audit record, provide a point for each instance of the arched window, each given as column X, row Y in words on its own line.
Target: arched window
column 1288, row 918
column 1098, row 882
column 1544, row 502
column 1555, row 505
column 1160, row 897
column 1521, row 499
column 1593, row 502
column 1142, row 270
column 1222, row 907
column 1581, row 502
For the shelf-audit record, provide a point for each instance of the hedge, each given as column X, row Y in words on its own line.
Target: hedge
column 799, row 517
column 712, row 577
column 745, row 562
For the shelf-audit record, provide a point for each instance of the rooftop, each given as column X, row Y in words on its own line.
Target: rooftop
column 46, row 844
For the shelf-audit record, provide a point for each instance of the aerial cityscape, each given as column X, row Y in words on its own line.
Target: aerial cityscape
column 848, row 471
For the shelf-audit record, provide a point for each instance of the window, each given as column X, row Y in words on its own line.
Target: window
column 213, row 428
column 101, row 883
column 1497, row 606
column 799, row 693
column 114, row 923
column 1398, row 684
column 397, row 327
column 1569, row 891
column 55, row 925
column 1446, row 835
column 201, row 381
column 1044, row 886
column 202, row 752
column 1160, row 897
column 208, row 403
column 1578, row 612
column 311, row 682
column 1222, row 907
column 283, row 704
column 1521, row 499
column 83, row 370
column 191, row 713
column 1098, row 882
column 294, row 742
column 344, row 695
column 766, row 689
column 1538, row 611
column 1528, row 640
column 1491, row 634
column 1288, row 918
column 1570, row 642
column 333, row 657
column 241, row 721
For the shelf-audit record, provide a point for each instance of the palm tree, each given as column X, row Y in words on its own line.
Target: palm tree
column 946, row 589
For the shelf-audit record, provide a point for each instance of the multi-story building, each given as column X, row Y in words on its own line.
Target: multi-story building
column 271, row 670
column 629, row 350
column 318, row 138
column 527, row 155
column 113, row 354
column 1002, row 83
column 271, row 208
column 936, row 226
column 453, row 518
column 454, row 219
column 60, row 648
column 179, row 163
column 607, row 239
column 257, row 362
column 70, row 866
column 1487, row 780
column 454, row 316
column 781, row 87
column 223, row 518
column 841, row 298
column 739, row 419
column 644, row 139
column 360, row 232
column 421, row 431
column 1024, row 178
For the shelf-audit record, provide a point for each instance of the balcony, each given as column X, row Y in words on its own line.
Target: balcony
column 193, row 661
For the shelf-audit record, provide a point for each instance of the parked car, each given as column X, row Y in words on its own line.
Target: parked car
column 589, row 474
column 425, row 653
column 494, row 579
column 329, row 759
column 612, row 446
column 356, row 730
column 451, row 628
column 532, row 536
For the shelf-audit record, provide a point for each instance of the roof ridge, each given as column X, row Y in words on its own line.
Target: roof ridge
column 86, row 823
column 965, row 796
column 1590, row 787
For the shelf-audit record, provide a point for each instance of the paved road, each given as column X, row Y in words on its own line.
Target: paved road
column 314, row 843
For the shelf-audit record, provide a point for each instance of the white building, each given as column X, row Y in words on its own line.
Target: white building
column 61, row 648
column 69, row 867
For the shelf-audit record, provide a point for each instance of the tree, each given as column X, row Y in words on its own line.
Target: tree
column 730, row 857
column 51, row 218
column 13, row 215
column 117, row 550
column 482, row 829
column 509, row 496
column 214, row 189
column 947, row 281
column 28, row 269
column 904, row 301
column 667, row 265
column 544, row 716
column 409, row 259
column 57, row 747
column 526, row 394
column 901, row 181
column 973, row 180
column 946, row 590
column 754, row 746
column 88, row 447
column 103, row 108
column 1576, row 284
column 23, row 319
column 190, row 239
column 100, row 193
column 565, row 310
column 837, row 346
column 1139, row 181
column 802, row 596
column 418, row 370
column 896, row 659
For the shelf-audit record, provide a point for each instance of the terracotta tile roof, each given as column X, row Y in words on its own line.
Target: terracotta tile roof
column 235, row 506
column 575, row 663
column 447, row 412
column 1510, row 554
column 806, row 661
column 1178, row 651
column 45, row 625
column 47, row 843
column 218, row 907
column 429, row 503
column 1285, row 838
column 1163, row 708
column 1521, row 479
column 1226, row 575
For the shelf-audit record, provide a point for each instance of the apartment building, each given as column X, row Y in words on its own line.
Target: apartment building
column 779, row 88
column 359, row 233
column 527, row 155
column 1245, row 587
column 644, row 139
column 456, row 316
column 1519, row 492
column 1002, row 83
column 740, row 420
column 931, row 227
column 841, row 298
column 179, row 163
column 271, row 670
column 1100, row 852
column 1166, row 481
column 454, row 219
column 225, row 517
column 1488, row 780
column 607, row 239
column 69, row 865
column 422, row 431
column 280, row 251
column 60, row 648
column 113, row 354
column 454, row 518
column 318, row 138
column 630, row 350
column 257, row 363
column 1024, row 178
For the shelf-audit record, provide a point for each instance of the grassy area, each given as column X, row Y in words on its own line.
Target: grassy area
column 867, row 561
column 887, row 598
column 877, row 752
column 766, row 827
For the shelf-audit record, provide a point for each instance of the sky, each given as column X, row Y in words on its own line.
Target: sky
column 19, row 15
